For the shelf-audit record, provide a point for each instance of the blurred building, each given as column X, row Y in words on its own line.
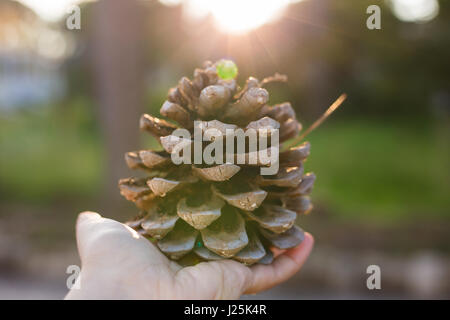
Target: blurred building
column 29, row 72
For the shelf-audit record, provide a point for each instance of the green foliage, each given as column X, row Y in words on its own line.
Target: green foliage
column 378, row 170
column 48, row 153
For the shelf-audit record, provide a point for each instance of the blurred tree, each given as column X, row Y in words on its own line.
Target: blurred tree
column 118, row 64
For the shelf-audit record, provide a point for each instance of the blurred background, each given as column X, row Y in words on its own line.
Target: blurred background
column 70, row 102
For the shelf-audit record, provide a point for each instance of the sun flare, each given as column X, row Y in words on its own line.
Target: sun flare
column 236, row 16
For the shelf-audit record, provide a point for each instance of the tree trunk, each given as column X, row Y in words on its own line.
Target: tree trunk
column 118, row 66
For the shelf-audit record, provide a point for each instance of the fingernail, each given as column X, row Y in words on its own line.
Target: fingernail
column 310, row 237
column 87, row 215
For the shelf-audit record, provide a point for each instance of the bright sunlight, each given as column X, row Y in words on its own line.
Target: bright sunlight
column 415, row 10
column 235, row 16
column 50, row 10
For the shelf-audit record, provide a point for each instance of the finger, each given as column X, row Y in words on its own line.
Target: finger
column 283, row 267
column 104, row 241
column 223, row 279
column 86, row 223
column 276, row 252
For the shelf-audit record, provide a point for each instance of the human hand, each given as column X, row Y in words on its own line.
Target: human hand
column 118, row 263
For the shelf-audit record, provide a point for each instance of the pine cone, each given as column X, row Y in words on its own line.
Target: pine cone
column 224, row 210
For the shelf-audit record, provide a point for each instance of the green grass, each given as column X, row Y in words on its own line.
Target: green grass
column 381, row 170
column 370, row 170
column 48, row 153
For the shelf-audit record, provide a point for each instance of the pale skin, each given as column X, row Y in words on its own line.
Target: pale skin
column 117, row 263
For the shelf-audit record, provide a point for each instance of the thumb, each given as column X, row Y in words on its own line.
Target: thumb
column 87, row 227
column 105, row 241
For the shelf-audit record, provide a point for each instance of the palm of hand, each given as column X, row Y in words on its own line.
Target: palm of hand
column 117, row 263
